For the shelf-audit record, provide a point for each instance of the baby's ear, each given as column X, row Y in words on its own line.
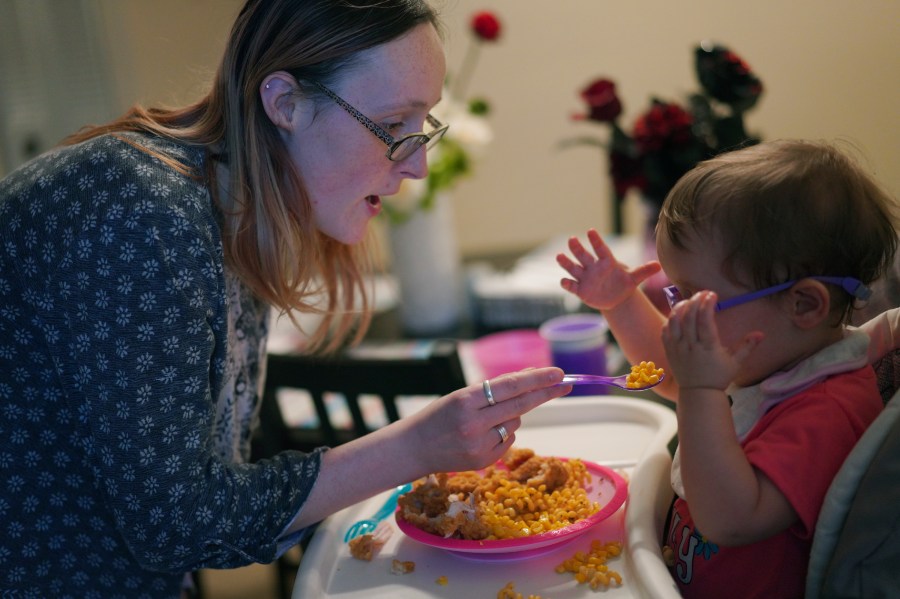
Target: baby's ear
column 809, row 302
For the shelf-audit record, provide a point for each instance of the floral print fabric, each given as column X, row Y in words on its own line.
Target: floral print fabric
column 129, row 374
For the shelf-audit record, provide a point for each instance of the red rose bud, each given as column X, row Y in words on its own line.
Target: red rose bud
column 486, row 26
column 603, row 103
column 664, row 125
column 726, row 77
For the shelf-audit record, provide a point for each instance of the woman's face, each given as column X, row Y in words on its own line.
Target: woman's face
column 343, row 165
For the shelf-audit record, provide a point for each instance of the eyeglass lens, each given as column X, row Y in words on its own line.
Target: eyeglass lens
column 673, row 296
column 407, row 146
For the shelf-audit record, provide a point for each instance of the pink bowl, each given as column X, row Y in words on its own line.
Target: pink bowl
column 509, row 351
column 606, row 488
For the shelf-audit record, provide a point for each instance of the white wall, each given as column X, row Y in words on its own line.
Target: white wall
column 831, row 70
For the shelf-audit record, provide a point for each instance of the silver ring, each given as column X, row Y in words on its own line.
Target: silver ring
column 501, row 430
column 486, row 385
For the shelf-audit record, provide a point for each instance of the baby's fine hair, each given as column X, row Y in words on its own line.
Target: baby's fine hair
column 785, row 210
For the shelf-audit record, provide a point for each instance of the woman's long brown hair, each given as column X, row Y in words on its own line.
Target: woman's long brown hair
column 269, row 236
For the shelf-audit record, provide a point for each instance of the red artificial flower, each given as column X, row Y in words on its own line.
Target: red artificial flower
column 486, row 26
column 664, row 125
column 603, row 103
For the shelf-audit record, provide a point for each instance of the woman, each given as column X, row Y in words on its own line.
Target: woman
column 138, row 265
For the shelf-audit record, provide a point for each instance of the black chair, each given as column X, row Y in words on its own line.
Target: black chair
column 387, row 371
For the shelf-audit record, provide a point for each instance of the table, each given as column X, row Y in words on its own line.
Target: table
column 512, row 290
column 627, row 433
column 501, row 280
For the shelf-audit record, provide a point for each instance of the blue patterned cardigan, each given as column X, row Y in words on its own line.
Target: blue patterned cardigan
column 130, row 368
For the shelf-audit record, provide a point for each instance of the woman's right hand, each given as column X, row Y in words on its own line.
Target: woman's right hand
column 598, row 279
column 461, row 431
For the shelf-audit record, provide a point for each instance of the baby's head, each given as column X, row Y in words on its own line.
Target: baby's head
column 786, row 210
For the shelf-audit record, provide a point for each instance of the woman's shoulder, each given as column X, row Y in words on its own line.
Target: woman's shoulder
column 111, row 173
column 106, row 159
column 114, row 194
column 141, row 159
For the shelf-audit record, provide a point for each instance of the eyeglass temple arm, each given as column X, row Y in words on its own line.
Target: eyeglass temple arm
column 854, row 287
column 749, row 297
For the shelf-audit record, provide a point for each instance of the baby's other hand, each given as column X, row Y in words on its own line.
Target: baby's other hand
column 598, row 279
column 696, row 355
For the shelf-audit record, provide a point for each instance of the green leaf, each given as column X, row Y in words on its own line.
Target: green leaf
column 443, row 173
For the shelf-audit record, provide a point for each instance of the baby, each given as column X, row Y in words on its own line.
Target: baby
column 769, row 248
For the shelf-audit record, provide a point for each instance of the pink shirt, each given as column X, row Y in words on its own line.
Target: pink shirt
column 799, row 445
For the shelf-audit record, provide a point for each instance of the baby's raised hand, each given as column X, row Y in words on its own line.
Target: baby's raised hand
column 598, row 279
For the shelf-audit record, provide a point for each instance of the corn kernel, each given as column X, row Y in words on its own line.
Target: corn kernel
column 591, row 568
column 509, row 592
column 643, row 374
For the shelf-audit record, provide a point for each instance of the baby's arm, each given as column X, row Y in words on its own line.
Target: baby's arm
column 607, row 285
column 731, row 502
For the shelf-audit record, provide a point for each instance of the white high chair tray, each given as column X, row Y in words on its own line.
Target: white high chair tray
column 626, row 433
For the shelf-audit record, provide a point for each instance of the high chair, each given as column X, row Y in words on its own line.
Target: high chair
column 856, row 544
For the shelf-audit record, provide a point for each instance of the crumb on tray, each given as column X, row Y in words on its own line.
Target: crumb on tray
column 400, row 567
column 364, row 547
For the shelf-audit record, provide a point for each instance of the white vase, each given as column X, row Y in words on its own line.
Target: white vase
column 425, row 259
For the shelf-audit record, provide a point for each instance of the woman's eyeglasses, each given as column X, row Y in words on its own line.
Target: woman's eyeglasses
column 398, row 149
column 854, row 287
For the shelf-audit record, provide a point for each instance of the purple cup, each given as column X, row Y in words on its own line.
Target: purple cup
column 578, row 346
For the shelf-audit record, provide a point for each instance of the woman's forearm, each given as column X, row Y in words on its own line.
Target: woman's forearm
column 355, row 471
column 459, row 431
